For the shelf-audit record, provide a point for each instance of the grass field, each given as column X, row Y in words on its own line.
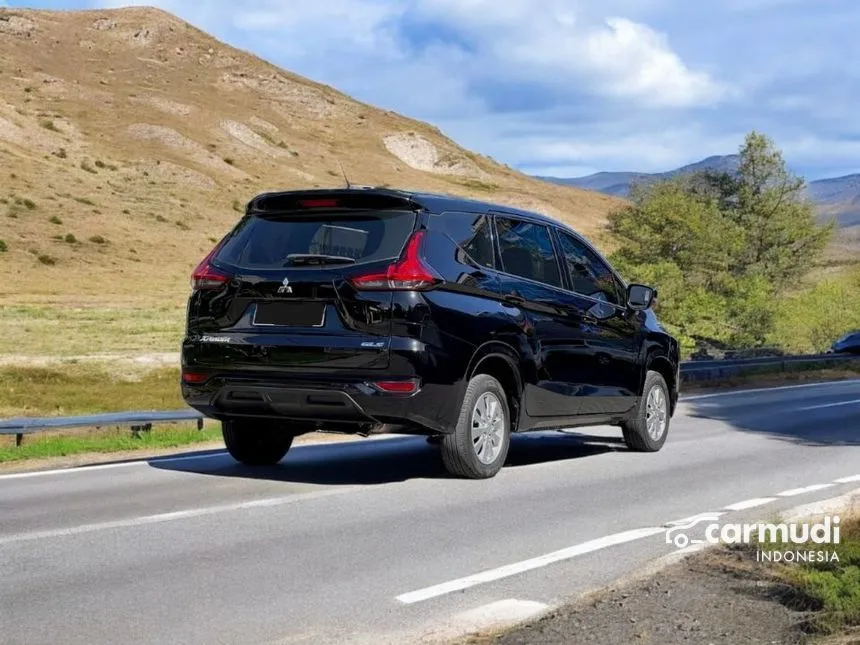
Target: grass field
column 63, row 331
column 74, row 389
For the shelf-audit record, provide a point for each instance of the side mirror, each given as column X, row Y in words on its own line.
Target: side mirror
column 640, row 297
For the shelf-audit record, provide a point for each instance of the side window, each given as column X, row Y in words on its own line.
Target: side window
column 527, row 251
column 589, row 275
column 471, row 232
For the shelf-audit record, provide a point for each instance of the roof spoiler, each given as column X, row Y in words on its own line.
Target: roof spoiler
column 364, row 198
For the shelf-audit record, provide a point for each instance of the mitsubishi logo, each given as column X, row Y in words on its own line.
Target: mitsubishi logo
column 285, row 286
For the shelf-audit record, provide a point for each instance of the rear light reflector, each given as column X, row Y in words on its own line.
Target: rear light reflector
column 397, row 387
column 194, row 377
column 409, row 273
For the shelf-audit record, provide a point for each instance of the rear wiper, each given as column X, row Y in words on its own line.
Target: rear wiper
column 296, row 259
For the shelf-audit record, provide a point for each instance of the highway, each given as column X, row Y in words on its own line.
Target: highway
column 369, row 542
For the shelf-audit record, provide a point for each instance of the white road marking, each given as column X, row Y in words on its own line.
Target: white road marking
column 170, row 517
column 693, row 519
column 498, row 614
column 800, row 491
column 749, row 503
column 515, row 568
column 830, row 405
column 712, row 395
column 848, row 480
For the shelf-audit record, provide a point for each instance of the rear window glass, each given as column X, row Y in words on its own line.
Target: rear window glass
column 263, row 243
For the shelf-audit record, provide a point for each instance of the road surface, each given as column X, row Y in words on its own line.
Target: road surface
column 369, row 542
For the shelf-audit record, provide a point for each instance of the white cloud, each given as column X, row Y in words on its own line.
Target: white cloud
column 562, row 45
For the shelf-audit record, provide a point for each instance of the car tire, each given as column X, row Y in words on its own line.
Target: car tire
column 647, row 428
column 256, row 443
column 478, row 447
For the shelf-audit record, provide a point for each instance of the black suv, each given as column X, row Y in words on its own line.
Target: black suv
column 370, row 310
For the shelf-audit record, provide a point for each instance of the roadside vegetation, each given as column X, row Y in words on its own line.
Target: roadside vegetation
column 733, row 255
column 826, row 593
column 73, row 389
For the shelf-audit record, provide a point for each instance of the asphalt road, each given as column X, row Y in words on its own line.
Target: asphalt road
column 369, row 542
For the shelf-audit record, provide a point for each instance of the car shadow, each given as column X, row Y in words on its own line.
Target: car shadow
column 386, row 460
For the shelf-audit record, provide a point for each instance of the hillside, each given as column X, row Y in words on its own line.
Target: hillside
column 130, row 141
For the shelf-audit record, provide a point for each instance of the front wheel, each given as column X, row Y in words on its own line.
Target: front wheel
column 646, row 430
column 256, row 443
column 478, row 447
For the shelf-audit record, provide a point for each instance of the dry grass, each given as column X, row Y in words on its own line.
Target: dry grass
column 132, row 127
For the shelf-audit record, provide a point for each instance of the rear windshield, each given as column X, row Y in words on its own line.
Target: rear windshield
column 332, row 238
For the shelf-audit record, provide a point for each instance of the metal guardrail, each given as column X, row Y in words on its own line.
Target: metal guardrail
column 712, row 370
column 141, row 421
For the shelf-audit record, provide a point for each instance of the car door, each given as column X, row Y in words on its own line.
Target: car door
column 611, row 333
column 533, row 290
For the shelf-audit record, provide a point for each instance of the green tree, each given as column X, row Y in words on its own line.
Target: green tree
column 721, row 247
column 783, row 240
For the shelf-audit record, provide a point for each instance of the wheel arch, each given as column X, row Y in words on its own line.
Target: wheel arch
column 660, row 363
column 502, row 362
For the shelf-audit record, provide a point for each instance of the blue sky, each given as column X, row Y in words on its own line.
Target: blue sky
column 570, row 87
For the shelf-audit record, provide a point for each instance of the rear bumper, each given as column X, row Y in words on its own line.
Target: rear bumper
column 347, row 404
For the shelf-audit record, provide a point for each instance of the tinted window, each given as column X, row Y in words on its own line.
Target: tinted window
column 268, row 243
column 469, row 231
column 589, row 275
column 527, row 251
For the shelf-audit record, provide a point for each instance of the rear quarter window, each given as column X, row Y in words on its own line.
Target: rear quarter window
column 470, row 232
column 268, row 243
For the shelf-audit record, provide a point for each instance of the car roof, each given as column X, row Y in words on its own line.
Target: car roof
column 433, row 202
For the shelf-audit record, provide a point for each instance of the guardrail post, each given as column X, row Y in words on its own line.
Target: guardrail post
column 200, row 423
column 19, row 439
column 137, row 429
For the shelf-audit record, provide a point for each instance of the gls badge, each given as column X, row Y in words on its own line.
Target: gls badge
column 285, row 286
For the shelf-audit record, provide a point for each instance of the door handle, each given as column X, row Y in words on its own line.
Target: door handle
column 514, row 299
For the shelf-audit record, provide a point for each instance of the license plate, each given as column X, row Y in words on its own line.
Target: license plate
column 290, row 314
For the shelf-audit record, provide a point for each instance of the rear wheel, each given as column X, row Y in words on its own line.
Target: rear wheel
column 646, row 430
column 256, row 443
column 478, row 447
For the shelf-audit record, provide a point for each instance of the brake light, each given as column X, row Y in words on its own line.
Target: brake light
column 318, row 203
column 409, row 273
column 205, row 276
column 397, row 387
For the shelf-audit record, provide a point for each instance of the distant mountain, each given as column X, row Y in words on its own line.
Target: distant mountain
column 618, row 183
column 837, row 197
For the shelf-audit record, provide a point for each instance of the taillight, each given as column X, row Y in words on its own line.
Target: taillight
column 409, row 273
column 205, row 276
